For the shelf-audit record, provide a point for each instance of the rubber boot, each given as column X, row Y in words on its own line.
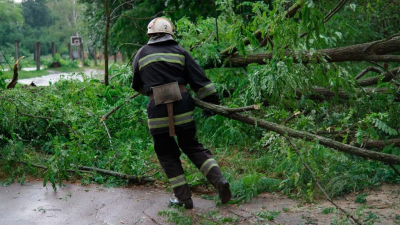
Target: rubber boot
column 224, row 191
column 188, row 203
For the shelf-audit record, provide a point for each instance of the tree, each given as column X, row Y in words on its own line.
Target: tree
column 66, row 23
column 11, row 21
column 36, row 13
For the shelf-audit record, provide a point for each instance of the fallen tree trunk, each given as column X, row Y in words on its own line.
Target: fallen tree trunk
column 372, row 51
column 393, row 159
column 319, row 93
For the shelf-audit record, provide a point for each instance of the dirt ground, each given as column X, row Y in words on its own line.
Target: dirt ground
column 32, row 203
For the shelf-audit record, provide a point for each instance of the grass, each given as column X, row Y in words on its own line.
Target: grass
column 26, row 74
column 39, row 73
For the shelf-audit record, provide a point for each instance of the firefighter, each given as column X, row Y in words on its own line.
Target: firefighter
column 162, row 62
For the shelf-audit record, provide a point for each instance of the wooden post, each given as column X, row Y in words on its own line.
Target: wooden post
column 53, row 48
column 115, row 57
column 37, row 50
column 95, row 56
column 17, row 52
column 70, row 51
column 82, row 55
column 34, row 52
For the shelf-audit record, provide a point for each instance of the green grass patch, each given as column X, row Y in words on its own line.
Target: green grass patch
column 26, row 74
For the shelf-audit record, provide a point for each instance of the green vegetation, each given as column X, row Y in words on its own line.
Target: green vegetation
column 59, row 128
column 26, row 74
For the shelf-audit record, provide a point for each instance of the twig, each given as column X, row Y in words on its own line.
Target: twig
column 117, row 174
column 395, row 170
column 390, row 72
column 240, row 109
column 120, row 6
column 291, row 117
column 6, row 59
column 116, row 108
column 108, row 133
column 370, row 68
column 334, row 10
column 45, row 167
column 318, row 185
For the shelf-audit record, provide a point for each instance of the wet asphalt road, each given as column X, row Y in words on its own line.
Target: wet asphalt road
column 74, row 204
column 55, row 76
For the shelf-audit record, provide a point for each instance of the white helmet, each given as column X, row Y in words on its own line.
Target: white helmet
column 160, row 25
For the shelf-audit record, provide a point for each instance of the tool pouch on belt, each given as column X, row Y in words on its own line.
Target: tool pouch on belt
column 167, row 94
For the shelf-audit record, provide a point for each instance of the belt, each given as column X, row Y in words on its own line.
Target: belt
column 182, row 88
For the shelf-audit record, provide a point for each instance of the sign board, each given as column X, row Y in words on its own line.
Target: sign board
column 76, row 40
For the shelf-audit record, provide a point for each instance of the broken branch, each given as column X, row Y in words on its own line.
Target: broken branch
column 132, row 178
column 361, row 52
column 383, row 157
column 116, row 108
column 15, row 75
column 386, row 77
column 370, row 68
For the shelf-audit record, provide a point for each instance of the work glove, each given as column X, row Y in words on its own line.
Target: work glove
column 214, row 99
column 207, row 113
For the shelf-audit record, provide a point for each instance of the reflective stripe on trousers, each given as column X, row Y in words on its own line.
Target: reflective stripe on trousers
column 164, row 121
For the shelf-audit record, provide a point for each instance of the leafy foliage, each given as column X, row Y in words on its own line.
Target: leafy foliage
column 58, row 126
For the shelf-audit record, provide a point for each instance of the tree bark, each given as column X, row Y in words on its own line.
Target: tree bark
column 379, row 144
column 393, row 159
column 386, row 77
column 14, row 80
column 132, row 178
column 319, row 93
column 372, row 51
column 370, row 68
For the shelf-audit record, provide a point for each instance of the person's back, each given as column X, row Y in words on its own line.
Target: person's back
column 162, row 63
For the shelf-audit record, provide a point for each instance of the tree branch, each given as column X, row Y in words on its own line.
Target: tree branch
column 383, row 157
column 376, row 52
column 319, row 93
column 291, row 12
column 386, row 77
column 370, row 68
column 319, row 185
column 116, row 108
column 132, row 178
column 334, row 10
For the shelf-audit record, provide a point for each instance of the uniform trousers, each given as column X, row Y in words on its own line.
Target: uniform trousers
column 168, row 153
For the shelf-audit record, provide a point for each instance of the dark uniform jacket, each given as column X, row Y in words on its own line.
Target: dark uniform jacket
column 163, row 61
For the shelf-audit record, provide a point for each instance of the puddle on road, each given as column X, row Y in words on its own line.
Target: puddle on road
column 56, row 76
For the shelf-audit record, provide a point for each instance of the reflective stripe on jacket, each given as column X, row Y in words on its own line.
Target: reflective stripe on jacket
column 163, row 62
